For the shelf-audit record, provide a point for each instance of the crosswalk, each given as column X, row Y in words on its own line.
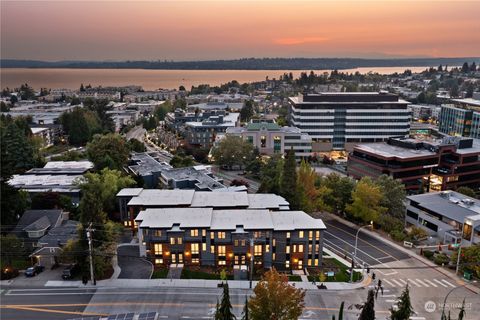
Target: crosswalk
column 419, row 283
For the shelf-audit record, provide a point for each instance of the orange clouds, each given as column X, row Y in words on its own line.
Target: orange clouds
column 299, row 40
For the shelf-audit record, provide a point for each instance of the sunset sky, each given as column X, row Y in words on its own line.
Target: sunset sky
column 194, row 30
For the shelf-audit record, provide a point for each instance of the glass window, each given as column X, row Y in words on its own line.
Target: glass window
column 257, row 250
column 221, row 251
column 204, row 233
column 212, row 249
column 195, row 260
column 221, row 235
column 288, row 235
column 300, row 234
column 235, row 243
column 263, row 141
column 317, row 234
column 300, row 248
column 267, row 248
column 158, row 233
column 158, row 248
column 310, row 235
column 172, row 240
column 194, row 233
column 194, row 248
column 179, row 240
column 158, row 261
column 287, row 249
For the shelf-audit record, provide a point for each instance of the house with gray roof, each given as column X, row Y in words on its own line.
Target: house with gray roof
column 34, row 224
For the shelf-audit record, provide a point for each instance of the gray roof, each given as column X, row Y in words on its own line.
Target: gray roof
column 129, row 192
column 40, row 224
column 30, row 218
column 227, row 219
column 201, row 178
column 156, row 197
column 59, row 236
column 227, row 199
column 450, row 204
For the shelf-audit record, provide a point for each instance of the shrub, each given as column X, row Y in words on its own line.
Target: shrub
column 417, row 233
column 441, row 259
column 388, row 223
column 398, row 235
column 428, row 254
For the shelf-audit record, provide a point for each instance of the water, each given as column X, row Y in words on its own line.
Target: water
column 150, row 79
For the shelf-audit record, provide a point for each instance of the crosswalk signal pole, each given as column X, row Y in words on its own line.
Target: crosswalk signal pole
column 89, row 237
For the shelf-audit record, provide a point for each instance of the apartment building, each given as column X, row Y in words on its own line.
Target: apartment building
column 133, row 200
column 208, row 237
column 203, row 133
column 340, row 120
column 270, row 138
column 435, row 165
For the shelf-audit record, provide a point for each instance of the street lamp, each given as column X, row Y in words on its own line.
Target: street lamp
column 446, row 297
column 356, row 243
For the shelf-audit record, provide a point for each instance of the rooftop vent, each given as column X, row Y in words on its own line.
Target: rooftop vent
column 445, row 194
column 468, row 202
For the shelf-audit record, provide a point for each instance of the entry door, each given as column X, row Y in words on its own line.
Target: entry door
column 174, row 258
column 180, row 258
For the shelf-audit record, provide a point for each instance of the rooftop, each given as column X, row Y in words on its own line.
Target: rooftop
column 389, row 151
column 348, row 97
column 450, row 204
column 227, row 219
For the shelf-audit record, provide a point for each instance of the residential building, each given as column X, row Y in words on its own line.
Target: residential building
column 340, row 120
column 441, row 164
column 450, row 216
column 132, row 200
column 40, row 113
column 461, row 117
column 148, row 167
column 45, row 134
column 56, row 176
column 203, row 133
column 211, row 105
column 209, row 237
column 270, row 138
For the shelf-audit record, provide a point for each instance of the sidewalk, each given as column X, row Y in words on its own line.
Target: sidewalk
column 411, row 253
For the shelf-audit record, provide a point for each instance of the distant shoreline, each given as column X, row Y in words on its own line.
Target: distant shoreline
column 241, row 64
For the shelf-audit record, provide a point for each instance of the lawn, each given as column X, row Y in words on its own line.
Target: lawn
column 294, row 278
column 331, row 264
column 199, row 274
column 160, row 273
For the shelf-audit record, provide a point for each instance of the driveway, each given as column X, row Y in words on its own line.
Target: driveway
column 39, row 280
column 131, row 265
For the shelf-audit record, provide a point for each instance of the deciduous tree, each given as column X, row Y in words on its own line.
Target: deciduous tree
column 232, row 151
column 366, row 201
column 108, row 151
column 393, row 196
column 275, row 299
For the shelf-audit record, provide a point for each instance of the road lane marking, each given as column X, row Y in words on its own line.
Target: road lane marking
column 451, row 285
column 422, row 283
column 440, row 283
column 403, row 281
column 391, row 273
column 397, row 282
column 57, row 311
column 388, row 296
column 389, row 282
column 417, row 318
column 431, row 283
column 390, row 301
column 416, row 284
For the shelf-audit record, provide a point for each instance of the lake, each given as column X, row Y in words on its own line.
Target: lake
column 150, row 79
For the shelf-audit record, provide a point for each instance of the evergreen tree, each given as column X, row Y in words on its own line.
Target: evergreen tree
column 368, row 309
column 217, row 311
column 288, row 185
column 224, row 310
column 465, row 67
column 405, row 309
column 462, row 312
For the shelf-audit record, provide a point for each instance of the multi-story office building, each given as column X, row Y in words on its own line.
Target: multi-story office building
column 448, row 215
column 272, row 139
column 132, row 200
column 208, row 237
column 461, row 118
column 435, row 165
column 340, row 120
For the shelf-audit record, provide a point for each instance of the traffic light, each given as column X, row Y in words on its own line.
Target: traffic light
column 368, row 270
column 373, row 276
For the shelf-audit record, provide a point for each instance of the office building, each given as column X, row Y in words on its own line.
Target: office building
column 461, row 118
column 272, row 139
column 450, row 216
column 209, row 237
column 340, row 120
column 441, row 164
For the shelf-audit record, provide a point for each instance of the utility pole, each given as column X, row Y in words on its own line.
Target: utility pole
column 89, row 237
column 251, row 262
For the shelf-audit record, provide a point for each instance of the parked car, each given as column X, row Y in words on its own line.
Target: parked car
column 70, row 272
column 33, row 271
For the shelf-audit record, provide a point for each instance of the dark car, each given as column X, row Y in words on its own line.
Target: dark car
column 70, row 272
column 33, row 271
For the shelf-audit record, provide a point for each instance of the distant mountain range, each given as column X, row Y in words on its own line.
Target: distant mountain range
column 243, row 64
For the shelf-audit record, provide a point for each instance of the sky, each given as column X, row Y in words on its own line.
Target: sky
column 230, row 29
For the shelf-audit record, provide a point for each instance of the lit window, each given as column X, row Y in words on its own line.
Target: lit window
column 179, row 240
column 309, row 262
column 204, row 247
column 158, row 233
column 316, row 262
column 195, row 260
column 300, row 234
column 235, row 243
column 300, row 248
column 287, row 249
column 244, row 243
column 287, row 264
column 317, row 234
column 158, row 248
column 310, row 249
column 310, row 235
column 288, row 235
column 294, row 248
column 204, row 233
column 212, row 249
column 257, row 250
column 194, row 248
column 257, row 234
column 158, row 261
column 317, row 248
column 273, row 242
column 267, row 248
column 212, row 235
column 194, row 233
column 222, row 262
column 274, row 256
column 221, row 235
column 172, row 240
column 221, row 251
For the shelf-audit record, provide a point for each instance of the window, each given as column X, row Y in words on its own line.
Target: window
column 257, row 251
column 194, row 248
column 274, row 256
column 317, row 247
column 221, row 235
column 172, row 240
column 300, row 234
column 273, row 242
column 310, row 249
column 309, row 262
column 267, row 248
column 310, row 235
column 204, row 247
column 300, row 248
column 212, row 235
column 194, row 233
column 179, row 240
column 257, row 234
column 222, row 262
column 235, row 243
column 158, row 261
column 158, row 248
column 294, row 248
column 287, row 264
column 263, row 141
column 221, row 251
column 204, row 233
column 157, row 233
column 287, row 249
column 316, row 262
column 195, row 260
column 243, row 243
column 317, row 234
column 212, row 249
column 288, row 235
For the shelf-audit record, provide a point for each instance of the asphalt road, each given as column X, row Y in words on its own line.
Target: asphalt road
column 131, row 265
column 340, row 238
